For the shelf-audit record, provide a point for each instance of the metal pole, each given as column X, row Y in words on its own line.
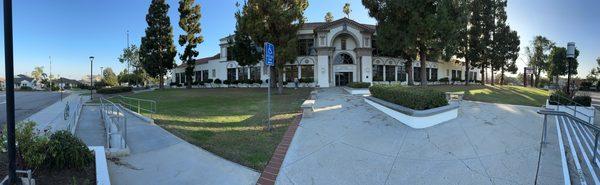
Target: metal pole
column 269, row 100
column 10, row 91
column 545, row 128
column 91, row 79
column 569, row 76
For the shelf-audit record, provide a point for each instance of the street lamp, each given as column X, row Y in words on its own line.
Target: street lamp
column 91, row 77
column 570, row 58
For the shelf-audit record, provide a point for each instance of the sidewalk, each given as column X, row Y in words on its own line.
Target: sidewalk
column 52, row 118
column 159, row 157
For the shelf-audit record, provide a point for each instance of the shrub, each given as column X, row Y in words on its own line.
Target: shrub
column 32, row 147
column 66, row 151
column 208, row 81
column 235, row 82
column 559, row 97
column 414, row 98
column 227, row 82
column 260, row 82
column 55, row 88
column 178, row 85
column 307, row 80
column 217, row 81
column 444, row 80
column 172, row 84
column 113, row 90
column 456, row 79
column 585, row 85
column 583, row 100
column 26, row 88
column 359, row 84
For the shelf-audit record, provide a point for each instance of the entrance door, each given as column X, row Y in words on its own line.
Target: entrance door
column 343, row 78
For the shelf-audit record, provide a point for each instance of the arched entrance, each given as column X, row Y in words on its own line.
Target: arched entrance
column 344, row 69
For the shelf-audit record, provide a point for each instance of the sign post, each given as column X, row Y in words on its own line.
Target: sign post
column 269, row 61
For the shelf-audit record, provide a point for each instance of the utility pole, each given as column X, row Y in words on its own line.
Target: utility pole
column 128, row 62
column 10, row 91
column 50, row 77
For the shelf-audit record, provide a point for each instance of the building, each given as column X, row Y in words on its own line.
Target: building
column 86, row 79
column 333, row 54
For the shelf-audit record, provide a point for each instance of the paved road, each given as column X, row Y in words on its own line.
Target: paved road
column 28, row 103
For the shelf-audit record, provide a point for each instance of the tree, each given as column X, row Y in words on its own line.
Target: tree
column 427, row 28
column 189, row 22
column 244, row 50
column 477, row 42
column 328, row 17
column 505, row 45
column 541, row 47
column 278, row 22
column 558, row 63
column 109, row 78
column 157, row 51
column 131, row 56
column 37, row 73
column 347, row 10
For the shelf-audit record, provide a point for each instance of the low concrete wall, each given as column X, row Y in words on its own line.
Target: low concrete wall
column 583, row 113
column 415, row 118
column 357, row 91
column 102, row 176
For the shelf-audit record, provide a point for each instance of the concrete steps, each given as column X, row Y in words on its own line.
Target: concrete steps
column 578, row 145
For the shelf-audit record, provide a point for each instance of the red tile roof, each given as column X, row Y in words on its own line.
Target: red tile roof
column 201, row 60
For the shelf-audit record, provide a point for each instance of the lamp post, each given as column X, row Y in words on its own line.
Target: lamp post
column 10, row 91
column 570, row 58
column 91, row 77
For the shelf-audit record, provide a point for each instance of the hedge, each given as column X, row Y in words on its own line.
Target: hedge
column 414, row 98
column 583, row 100
column 559, row 97
column 359, row 85
column 113, row 90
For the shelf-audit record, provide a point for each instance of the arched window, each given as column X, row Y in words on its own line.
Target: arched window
column 343, row 58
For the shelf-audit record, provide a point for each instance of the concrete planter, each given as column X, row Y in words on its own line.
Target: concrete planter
column 417, row 119
column 360, row 91
column 102, row 176
column 583, row 112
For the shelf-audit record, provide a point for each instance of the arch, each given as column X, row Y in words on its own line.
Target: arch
column 343, row 58
column 345, row 32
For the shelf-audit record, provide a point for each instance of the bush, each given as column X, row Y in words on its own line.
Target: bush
column 217, row 81
column 410, row 97
column 32, row 147
column 444, row 80
column 208, row 81
column 559, row 97
column 66, row 151
column 307, row 80
column 226, row 82
column 583, row 100
column 113, row 90
column 55, row 88
column 585, row 85
column 260, row 82
column 26, row 88
column 456, row 79
column 359, row 85
column 172, row 84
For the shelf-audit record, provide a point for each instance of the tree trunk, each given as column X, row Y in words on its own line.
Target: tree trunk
column 467, row 72
column 161, row 81
column 482, row 75
column 409, row 68
column 537, row 78
column 502, row 76
column 279, row 82
column 492, row 75
column 423, row 68
column 189, row 81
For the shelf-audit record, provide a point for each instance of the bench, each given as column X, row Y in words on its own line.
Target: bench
column 308, row 108
column 313, row 95
column 455, row 96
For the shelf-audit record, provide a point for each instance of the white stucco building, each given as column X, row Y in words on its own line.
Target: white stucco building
column 333, row 54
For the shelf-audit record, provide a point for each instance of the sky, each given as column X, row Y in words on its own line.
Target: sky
column 67, row 32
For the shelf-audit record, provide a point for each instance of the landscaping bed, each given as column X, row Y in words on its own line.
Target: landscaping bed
column 228, row 122
column 506, row 94
column 52, row 177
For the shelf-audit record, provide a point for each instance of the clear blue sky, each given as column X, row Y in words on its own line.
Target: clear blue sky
column 71, row 31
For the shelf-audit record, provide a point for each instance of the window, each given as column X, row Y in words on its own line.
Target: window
column 291, row 72
column 307, row 71
column 231, row 74
column 304, row 46
column 204, row 75
column 182, row 76
column 197, row 76
column 377, row 73
column 434, row 74
column 390, row 73
column 417, row 74
column 472, row 76
column 242, row 73
column 214, row 73
column 343, row 58
column 457, row 74
column 255, row 73
column 376, row 51
column 428, row 74
column 343, row 42
column 230, row 53
column 401, row 74
column 177, row 78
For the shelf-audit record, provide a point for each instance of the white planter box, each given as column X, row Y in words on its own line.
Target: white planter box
column 417, row 119
column 102, row 176
column 583, row 113
column 357, row 91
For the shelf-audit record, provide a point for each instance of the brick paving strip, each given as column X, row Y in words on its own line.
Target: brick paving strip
column 269, row 174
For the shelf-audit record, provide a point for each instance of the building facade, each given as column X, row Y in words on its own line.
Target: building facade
column 333, row 54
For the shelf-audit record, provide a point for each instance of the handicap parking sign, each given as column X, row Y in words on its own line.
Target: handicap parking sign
column 269, row 54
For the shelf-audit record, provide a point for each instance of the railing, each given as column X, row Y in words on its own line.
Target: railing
column 138, row 105
column 115, row 124
column 72, row 124
column 572, row 106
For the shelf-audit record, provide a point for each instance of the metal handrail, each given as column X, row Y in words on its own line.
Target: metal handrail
column 137, row 104
column 110, row 111
column 572, row 103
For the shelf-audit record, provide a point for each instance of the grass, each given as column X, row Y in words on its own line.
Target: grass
column 506, row 94
column 228, row 122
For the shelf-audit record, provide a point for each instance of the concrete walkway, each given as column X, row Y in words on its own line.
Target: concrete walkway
column 52, row 118
column 158, row 157
column 349, row 142
column 91, row 128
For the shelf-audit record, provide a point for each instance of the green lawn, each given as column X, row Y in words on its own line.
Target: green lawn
column 228, row 122
column 507, row 94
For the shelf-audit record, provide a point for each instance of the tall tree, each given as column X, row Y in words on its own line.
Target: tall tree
column 109, row 77
column 347, row 10
column 245, row 51
column 541, row 47
column 189, row 22
column 429, row 28
column 37, row 73
column 131, row 56
column 558, row 63
column 478, row 52
column 505, row 44
column 157, row 51
column 278, row 22
column 328, row 17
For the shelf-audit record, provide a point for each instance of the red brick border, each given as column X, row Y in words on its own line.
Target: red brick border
column 269, row 174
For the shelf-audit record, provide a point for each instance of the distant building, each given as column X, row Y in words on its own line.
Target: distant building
column 86, row 79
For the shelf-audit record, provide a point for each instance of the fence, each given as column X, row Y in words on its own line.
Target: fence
column 115, row 124
column 138, row 105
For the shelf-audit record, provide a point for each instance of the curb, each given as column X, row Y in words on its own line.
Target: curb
column 269, row 174
column 147, row 119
